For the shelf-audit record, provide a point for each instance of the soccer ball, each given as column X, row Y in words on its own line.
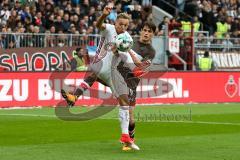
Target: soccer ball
column 124, row 42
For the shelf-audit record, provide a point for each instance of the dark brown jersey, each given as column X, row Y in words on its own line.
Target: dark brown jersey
column 147, row 52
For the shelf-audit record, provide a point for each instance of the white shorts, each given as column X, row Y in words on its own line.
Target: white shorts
column 108, row 73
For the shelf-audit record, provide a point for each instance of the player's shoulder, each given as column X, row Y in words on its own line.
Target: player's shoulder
column 152, row 51
column 151, row 48
column 109, row 26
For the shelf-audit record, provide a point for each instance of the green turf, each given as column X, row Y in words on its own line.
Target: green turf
column 200, row 132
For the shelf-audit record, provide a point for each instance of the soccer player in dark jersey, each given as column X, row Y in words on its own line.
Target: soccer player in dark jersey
column 143, row 47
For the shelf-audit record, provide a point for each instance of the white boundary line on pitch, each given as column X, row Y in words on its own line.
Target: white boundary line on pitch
column 190, row 122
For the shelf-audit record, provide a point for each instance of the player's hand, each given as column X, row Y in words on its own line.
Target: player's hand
column 107, row 10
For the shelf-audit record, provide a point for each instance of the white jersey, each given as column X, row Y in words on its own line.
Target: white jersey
column 105, row 61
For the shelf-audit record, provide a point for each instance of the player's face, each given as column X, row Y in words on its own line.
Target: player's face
column 146, row 35
column 121, row 25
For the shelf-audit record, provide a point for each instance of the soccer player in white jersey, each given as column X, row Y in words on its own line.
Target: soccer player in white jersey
column 104, row 66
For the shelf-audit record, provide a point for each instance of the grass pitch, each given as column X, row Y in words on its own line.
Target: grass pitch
column 174, row 132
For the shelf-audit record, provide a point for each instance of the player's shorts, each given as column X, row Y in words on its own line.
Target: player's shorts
column 132, row 82
column 112, row 79
column 117, row 84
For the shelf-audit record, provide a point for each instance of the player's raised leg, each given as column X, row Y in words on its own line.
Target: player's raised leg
column 71, row 98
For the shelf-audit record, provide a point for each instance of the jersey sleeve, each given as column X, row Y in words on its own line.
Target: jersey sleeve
column 109, row 28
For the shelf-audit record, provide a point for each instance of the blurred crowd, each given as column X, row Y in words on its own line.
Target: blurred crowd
column 220, row 18
column 62, row 16
column 66, row 16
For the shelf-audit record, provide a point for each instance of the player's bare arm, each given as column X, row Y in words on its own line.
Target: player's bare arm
column 106, row 11
column 137, row 61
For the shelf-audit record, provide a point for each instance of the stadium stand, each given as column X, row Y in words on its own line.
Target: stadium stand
column 58, row 17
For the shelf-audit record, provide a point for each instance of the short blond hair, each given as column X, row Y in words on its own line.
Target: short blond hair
column 124, row 16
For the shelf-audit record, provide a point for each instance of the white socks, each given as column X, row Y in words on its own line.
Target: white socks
column 124, row 118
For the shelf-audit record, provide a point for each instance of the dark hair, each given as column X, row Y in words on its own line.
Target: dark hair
column 78, row 49
column 165, row 17
column 150, row 25
column 206, row 54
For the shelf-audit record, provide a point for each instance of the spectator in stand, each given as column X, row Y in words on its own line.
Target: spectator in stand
column 86, row 21
column 26, row 14
column 227, row 42
column 4, row 14
column 222, row 27
column 52, row 29
column 162, row 26
column 61, row 39
column 92, row 17
column 66, row 23
column 10, row 41
column 235, row 26
column 38, row 40
column 205, row 63
column 49, row 21
column 58, row 24
column 58, row 16
column 17, row 6
column 208, row 19
column 48, row 9
column 79, row 62
column 50, row 39
column 77, row 11
column 95, row 29
column 21, row 40
column 197, row 26
column 13, row 20
column 37, row 20
column 136, row 12
column 201, row 39
column 85, row 7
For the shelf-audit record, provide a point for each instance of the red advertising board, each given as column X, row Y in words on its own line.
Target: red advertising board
column 42, row 88
column 36, row 59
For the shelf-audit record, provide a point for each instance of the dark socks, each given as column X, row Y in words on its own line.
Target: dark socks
column 131, row 129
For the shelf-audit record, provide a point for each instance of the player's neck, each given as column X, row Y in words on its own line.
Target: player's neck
column 144, row 42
